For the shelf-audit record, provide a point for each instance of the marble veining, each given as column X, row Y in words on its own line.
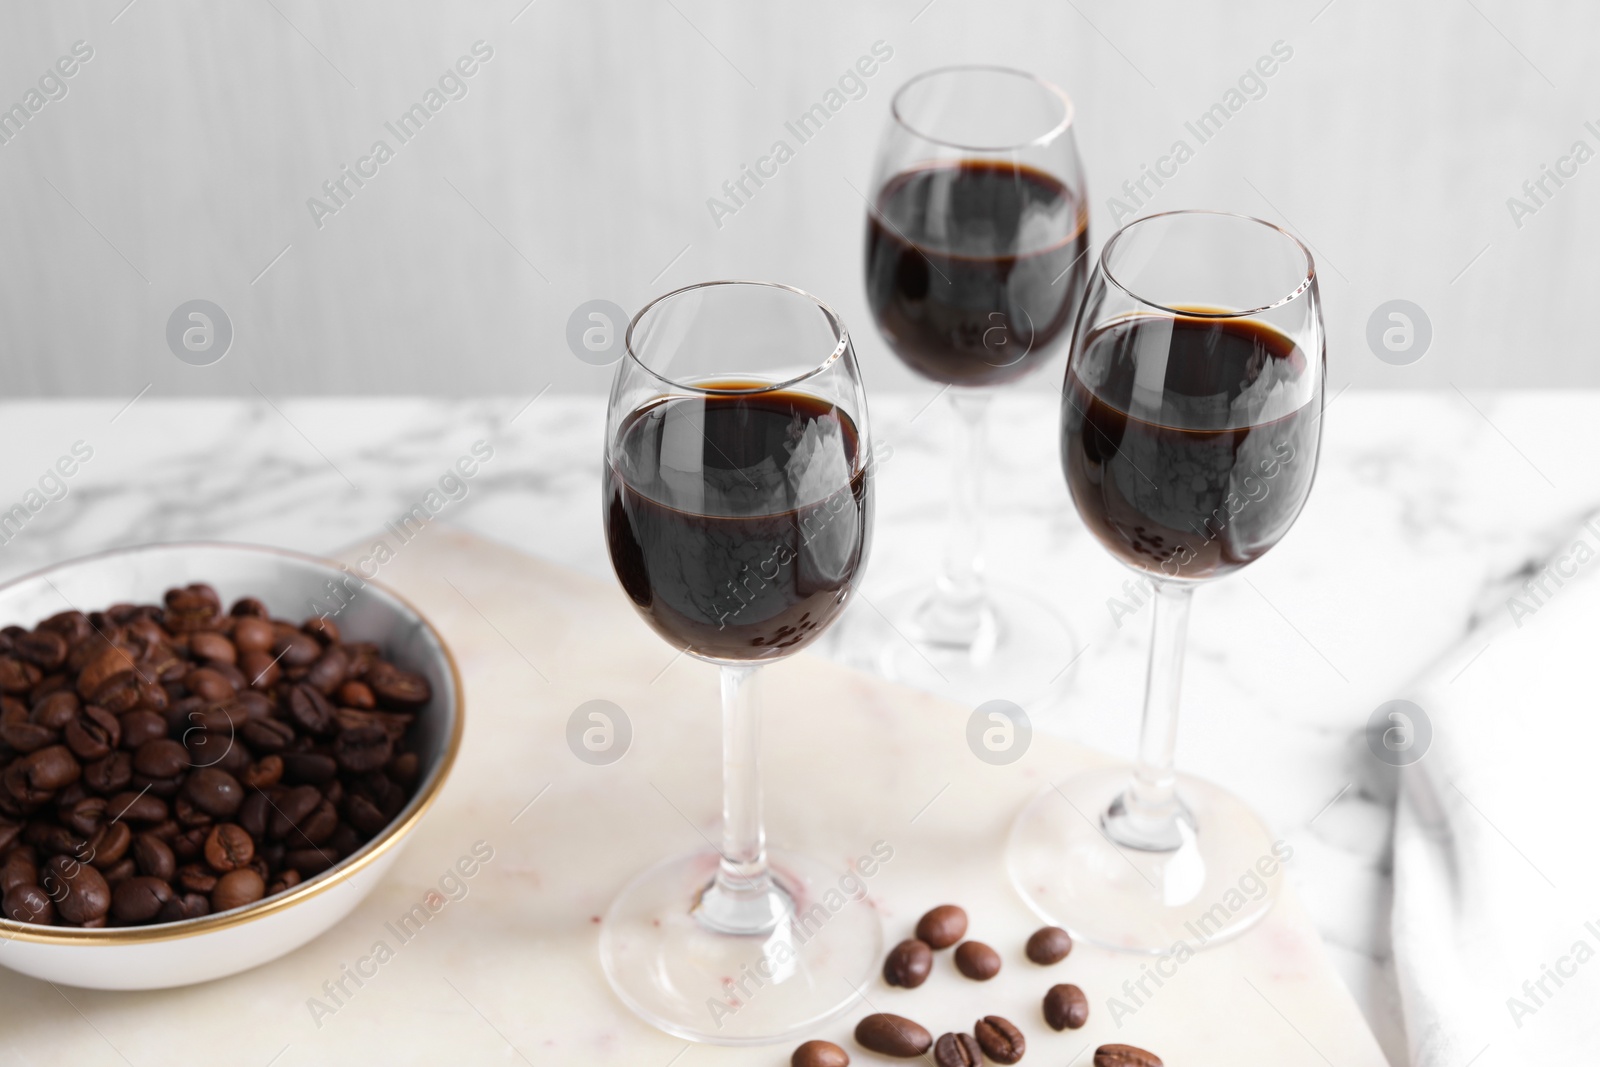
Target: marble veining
column 1430, row 510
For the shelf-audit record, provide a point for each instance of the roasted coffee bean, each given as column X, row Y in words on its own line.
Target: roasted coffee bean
column 53, row 840
column 892, row 1035
column 27, row 736
column 308, row 861
column 943, row 926
column 247, row 607
column 86, row 816
column 17, row 676
column 119, row 871
column 330, row 670
column 212, row 646
column 315, row 829
column 154, row 857
column 1000, row 1041
column 365, row 748
column 80, row 892
column 236, row 889
column 977, row 961
column 196, row 878
column 1124, row 1056
column 396, row 688
column 55, row 710
column 108, row 661
column 160, row 758
column 42, row 648
column 109, row 774
column 363, row 814
column 1065, row 1007
column 267, row 771
column 957, row 1050
column 359, row 695
column 908, row 964
column 267, row 735
column 208, row 684
column 1049, row 944
column 229, row 847
column 255, row 814
column 119, row 693
column 405, row 768
column 819, row 1054
column 139, row 899
column 310, row 710
column 109, row 844
column 260, row 669
column 50, row 768
column 322, row 628
column 73, row 625
column 137, row 807
column 93, row 734
column 189, row 816
column 187, row 906
column 309, row 768
column 141, row 726
column 292, row 808
column 251, row 634
column 28, row 904
column 215, row 792
column 296, row 649
column 18, row 869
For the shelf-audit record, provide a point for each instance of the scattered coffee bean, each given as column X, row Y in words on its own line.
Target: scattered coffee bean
column 161, row 762
column 977, row 961
column 943, row 926
column 1049, row 944
column 819, row 1054
column 892, row 1035
column 908, row 964
column 1065, row 1007
column 957, row 1050
column 1000, row 1041
column 1124, row 1056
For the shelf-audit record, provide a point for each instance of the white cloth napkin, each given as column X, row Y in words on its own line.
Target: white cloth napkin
column 1496, row 923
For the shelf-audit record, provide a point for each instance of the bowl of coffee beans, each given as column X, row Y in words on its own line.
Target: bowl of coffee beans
column 209, row 755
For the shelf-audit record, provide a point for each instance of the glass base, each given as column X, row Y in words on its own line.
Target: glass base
column 725, row 989
column 1218, row 883
column 1020, row 649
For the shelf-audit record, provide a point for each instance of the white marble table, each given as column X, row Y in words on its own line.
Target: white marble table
column 1425, row 503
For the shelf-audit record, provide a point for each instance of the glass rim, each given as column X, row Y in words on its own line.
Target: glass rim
column 842, row 342
column 1069, row 111
column 1304, row 285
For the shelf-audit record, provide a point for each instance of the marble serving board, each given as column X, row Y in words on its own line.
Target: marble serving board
column 506, row 970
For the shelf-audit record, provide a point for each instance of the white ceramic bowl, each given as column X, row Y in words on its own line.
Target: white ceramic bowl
column 172, row 954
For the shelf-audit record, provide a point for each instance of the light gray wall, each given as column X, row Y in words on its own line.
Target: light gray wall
column 579, row 164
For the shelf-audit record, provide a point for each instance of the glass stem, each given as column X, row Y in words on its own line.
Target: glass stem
column 742, row 898
column 1149, row 815
column 955, row 615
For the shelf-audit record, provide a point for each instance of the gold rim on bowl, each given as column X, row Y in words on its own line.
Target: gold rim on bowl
column 338, row 874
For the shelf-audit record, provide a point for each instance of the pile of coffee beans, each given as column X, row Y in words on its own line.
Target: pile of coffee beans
column 993, row 1038
column 164, row 762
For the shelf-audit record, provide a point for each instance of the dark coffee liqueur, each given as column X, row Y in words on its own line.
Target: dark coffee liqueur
column 737, row 524
column 1202, row 469
column 974, row 268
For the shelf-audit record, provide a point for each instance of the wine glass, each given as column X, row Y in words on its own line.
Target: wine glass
column 1191, row 419
column 738, row 513
column 976, row 242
